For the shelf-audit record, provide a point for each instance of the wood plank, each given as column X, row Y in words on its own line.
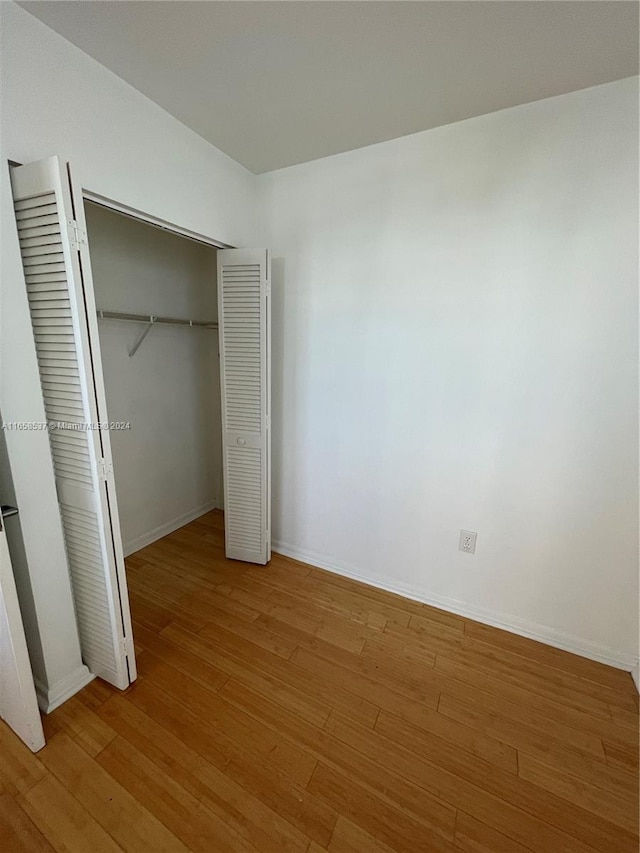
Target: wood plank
column 528, row 827
column 374, row 814
column 267, row 782
column 211, row 522
column 597, row 800
column 211, row 597
column 295, row 699
column 20, row 769
column 134, row 561
column 238, row 731
column 620, row 782
column 147, row 613
column 172, row 577
column 625, row 758
column 199, row 566
column 284, row 709
column 83, row 725
column 473, row 836
column 96, row 693
column 313, row 619
column 553, row 675
column 412, row 682
column 117, row 812
column 429, row 638
column 158, row 607
column 551, row 718
column 415, row 657
column 311, row 592
column 625, row 718
column 565, row 661
column 259, row 634
column 366, row 686
column 518, row 726
column 488, row 687
column 348, row 837
column 583, row 821
column 344, row 603
column 372, row 593
column 259, row 662
column 228, row 799
column 196, row 826
column 159, row 651
column 309, row 639
column 436, row 730
column 18, row 833
column 519, row 677
column 438, row 816
column 63, row 821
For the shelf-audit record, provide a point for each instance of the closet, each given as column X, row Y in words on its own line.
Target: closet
column 162, row 379
column 196, row 398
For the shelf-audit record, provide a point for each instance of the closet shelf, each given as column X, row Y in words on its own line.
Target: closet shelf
column 151, row 320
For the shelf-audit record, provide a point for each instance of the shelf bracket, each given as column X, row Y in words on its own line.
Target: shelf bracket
column 147, row 329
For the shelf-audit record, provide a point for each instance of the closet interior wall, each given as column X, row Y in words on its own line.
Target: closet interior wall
column 168, row 463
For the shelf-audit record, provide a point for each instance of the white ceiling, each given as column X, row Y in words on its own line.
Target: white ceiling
column 277, row 83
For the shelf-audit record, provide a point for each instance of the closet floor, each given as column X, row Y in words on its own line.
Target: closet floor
column 284, row 708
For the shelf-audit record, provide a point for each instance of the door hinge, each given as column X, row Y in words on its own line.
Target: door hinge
column 77, row 235
column 125, row 646
column 104, row 469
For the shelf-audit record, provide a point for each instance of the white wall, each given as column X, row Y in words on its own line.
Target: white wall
column 56, row 100
column 168, row 465
column 455, row 346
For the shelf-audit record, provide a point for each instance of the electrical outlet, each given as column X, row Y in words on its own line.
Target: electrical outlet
column 468, row 541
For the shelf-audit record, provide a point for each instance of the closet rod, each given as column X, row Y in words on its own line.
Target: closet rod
column 151, row 320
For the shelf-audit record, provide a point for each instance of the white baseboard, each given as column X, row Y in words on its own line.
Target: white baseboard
column 133, row 545
column 514, row 624
column 50, row 698
column 635, row 674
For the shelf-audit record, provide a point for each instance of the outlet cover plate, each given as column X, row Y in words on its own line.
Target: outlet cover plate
column 468, row 541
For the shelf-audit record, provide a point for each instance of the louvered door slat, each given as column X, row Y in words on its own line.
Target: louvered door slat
column 58, row 302
column 244, row 319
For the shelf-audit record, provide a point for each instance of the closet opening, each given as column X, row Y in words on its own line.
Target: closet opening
column 157, row 302
column 148, row 417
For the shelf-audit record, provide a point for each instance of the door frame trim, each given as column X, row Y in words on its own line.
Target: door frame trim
column 149, row 219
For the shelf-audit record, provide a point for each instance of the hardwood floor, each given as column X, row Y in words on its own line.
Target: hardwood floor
column 286, row 709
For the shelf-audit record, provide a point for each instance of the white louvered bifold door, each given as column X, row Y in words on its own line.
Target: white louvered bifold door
column 57, row 273
column 244, row 319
